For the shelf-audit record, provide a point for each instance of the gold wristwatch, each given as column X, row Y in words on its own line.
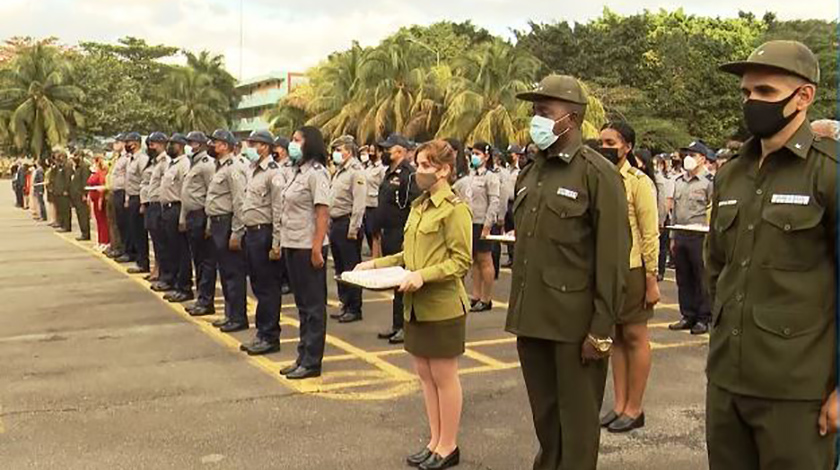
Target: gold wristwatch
column 603, row 346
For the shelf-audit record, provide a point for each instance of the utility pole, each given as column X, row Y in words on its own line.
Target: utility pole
column 241, row 37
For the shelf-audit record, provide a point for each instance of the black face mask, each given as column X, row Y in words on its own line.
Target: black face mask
column 211, row 150
column 129, row 148
column 766, row 118
column 386, row 158
column 610, row 154
column 152, row 152
column 172, row 151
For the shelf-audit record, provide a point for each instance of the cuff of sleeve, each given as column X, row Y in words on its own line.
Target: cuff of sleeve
column 602, row 326
column 236, row 235
column 428, row 274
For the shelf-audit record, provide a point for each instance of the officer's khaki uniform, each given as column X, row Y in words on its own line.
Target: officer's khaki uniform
column 78, row 181
column 348, row 200
column 771, row 257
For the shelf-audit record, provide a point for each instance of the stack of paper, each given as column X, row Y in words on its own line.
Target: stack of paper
column 689, row 228
column 506, row 238
column 379, row 279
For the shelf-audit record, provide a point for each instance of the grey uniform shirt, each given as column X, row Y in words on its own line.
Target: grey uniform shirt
column 374, row 174
column 173, row 179
column 692, row 196
column 196, row 182
column 309, row 187
column 134, row 173
column 118, row 173
column 348, row 194
column 462, row 188
column 152, row 192
column 664, row 191
column 226, row 194
column 505, row 193
column 262, row 198
column 485, row 197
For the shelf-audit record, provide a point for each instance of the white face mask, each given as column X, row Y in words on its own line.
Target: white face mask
column 689, row 163
column 365, row 158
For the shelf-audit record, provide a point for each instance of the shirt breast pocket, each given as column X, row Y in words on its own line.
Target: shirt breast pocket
column 794, row 239
column 565, row 221
column 723, row 226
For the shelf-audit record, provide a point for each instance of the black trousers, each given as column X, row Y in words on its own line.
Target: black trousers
column 118, row 200
column 693, row 296
column 392, row 243
column 347, row 254
column 264, row 275
column 63, row 212
column 566, row 398
column 153, row 224
column 232, row 268
column 203, row 257
column 369, row 226
column 310, row 290
column 664, row 247
column 509, row 226
column 496, row 252
column 82, row 214
column 177, row 248
column 139, row 234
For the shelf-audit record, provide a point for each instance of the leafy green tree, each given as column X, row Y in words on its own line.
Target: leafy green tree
column 197, row 103
column 213, row 65
column 38, row 103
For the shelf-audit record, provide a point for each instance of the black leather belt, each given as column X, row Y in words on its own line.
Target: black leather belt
column 341, row 217
column 220, row 218
column 168, row 205
column 254, row 228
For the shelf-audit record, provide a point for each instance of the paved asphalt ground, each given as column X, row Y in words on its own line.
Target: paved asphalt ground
column 98, row 372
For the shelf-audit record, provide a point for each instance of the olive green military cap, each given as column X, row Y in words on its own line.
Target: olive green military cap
column 343, row 140
column 788, row 56
column 558, row 87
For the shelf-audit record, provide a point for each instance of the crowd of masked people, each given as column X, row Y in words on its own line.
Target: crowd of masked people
column 598, row 222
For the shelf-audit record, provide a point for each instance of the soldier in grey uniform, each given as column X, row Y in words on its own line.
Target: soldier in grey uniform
column 137, row 161
column 348, row 199
column 485, row 205
column 287, row 170
column 374, row 174
column 178, row 267
column 150, row 201
column 122, row 253
column 224, row 210
column 261, row 217
column 305, row 217
column 193, row 222
column 692, row 197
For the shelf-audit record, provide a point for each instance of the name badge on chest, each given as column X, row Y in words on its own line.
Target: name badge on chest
column 567, row 193
column 794, row 199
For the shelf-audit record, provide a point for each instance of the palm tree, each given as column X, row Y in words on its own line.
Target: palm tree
column 38, row 105
column 197, row 104
column 214, row 66
column 337, row 103
column 291, row 111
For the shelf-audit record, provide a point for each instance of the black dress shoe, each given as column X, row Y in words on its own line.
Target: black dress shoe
column 260, row 347
column 231, row 327
column 386, row 334
column 161, row 287
column 113, row 254
column 137, row 270
column 626, row 424
column 608, row 418
column 220, row 323
column 660, row 277
column 350, row 317
column 481, row 306
column 303, row 373
column 473, row 302
column 124, row 259
column 201, row 311
column 289, row 369
column 436, row 462
column 83, row 238
column 337, row 315
column 181, row 297
column 700, row 328
column 398, row 338
column 415, row 460
column 285, row 289
column 683, row 324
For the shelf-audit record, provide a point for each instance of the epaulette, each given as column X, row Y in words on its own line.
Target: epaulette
column 228, row 163
column 637, row 172
column 454, row 199
column 827, row 147
column 205, row 159
column 710, row 176
column 272, row 165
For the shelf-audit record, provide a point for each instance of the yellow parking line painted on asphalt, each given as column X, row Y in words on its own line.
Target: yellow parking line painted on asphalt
column 491, row 342
column 681, row 344
column 667, row 306
column 484, row 359
column 2, row 427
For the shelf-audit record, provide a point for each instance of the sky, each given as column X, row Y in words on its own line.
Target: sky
column 293, row 35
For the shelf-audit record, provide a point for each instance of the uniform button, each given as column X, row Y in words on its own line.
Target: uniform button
column 530, row 234
column 522, row 285
column 786, row 331
column 739, row 297
column 539, row 184
column 759, row 191
column 525, row 262
column 745, row 263
column 750, row 227
column 787, row 227
column 563, row 215
column 736, row 332
column 562, row 288
column 534, row 209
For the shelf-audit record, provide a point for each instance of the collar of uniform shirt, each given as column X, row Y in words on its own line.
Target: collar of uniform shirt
column 799, row 144
column 569, row 151
column 261, row 164
column 625, row 169
column 703, row 172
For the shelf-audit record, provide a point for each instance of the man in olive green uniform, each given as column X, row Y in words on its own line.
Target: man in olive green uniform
column 61, row 190
column 570, row 265
column 771, row 256
column 78, row 195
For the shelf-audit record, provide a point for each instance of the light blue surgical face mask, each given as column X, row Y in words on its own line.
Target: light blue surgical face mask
column 338, row 158
column 251, row 154
column 295, row 152
column 476, row 161
column 542, row 131
column 189, row 150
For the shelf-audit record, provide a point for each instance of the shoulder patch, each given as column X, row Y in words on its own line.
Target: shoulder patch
column 710, row 177
column 205, row 159
column 317, row 166
column 827, row 147
column 454, row 199
column 272, row 165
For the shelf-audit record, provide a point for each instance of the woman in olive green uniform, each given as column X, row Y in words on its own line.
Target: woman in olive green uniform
column 437, row 252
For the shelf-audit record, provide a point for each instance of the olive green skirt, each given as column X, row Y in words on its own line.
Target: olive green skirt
column 634, row 310
column 436, row 339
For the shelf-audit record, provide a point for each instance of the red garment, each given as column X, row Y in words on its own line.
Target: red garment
column 27, row 185
column 97, row 200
